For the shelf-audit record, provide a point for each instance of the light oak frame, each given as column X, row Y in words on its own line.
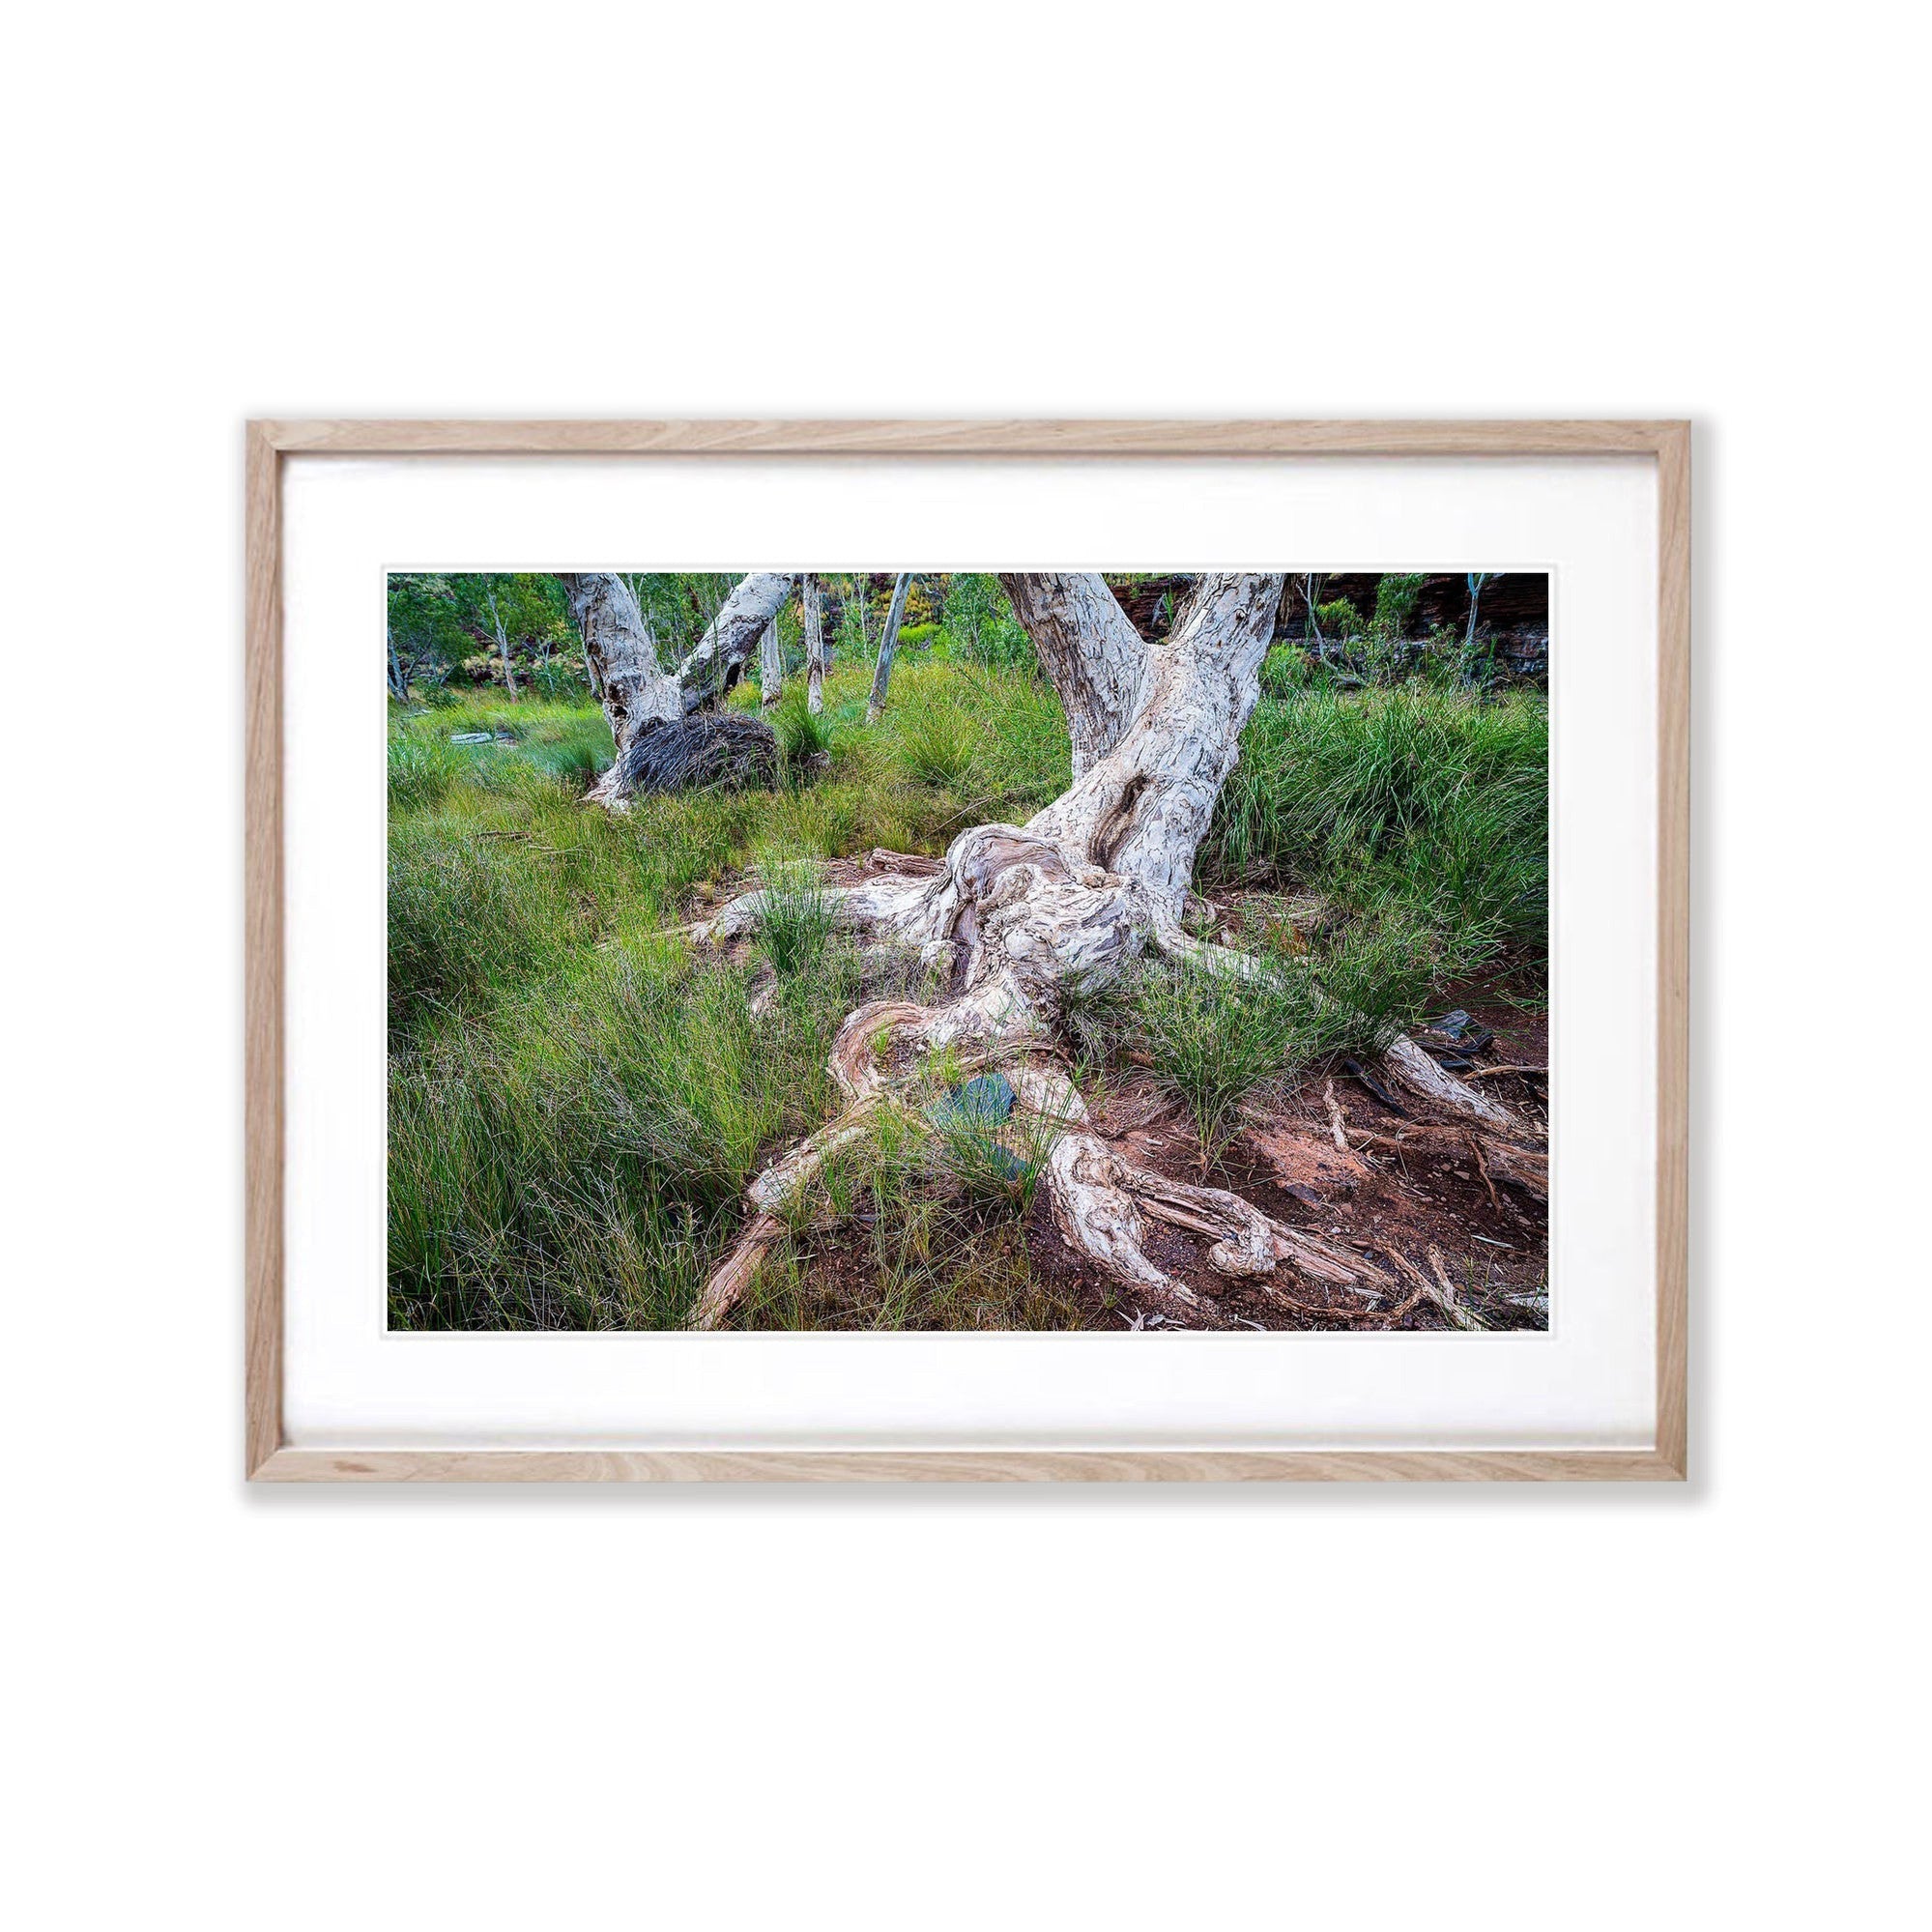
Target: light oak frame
column 270, row 1458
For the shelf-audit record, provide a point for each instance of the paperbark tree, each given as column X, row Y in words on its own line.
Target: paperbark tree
column 1311, row 590
column 407, row 663
column 622, row 655
column 1097, row 877
column 812, row 605
column 635, row 689
column 888, row 642
column 1091, row 649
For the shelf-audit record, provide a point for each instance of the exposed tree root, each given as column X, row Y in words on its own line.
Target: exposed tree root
column 731, row 1278
column 1009, row 913
column 773, row 1194
column 1526, row 1167
column 1413, row 1069
column 1100, row 1201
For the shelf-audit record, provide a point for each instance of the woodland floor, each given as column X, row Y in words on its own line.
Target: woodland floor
column 1432, row 1204
column 578, row 1095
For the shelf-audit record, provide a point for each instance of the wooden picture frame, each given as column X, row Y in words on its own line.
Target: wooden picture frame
column 269, row 1458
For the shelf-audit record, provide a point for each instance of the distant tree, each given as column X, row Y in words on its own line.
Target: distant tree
column 495, row 592
column 881, row 670
column 855, row 609
column 812, row 606
column 1396, row 597
column 513, row 613
column 423, row 634
column 980, row 620
column 1475, row 580
column 1310, row 591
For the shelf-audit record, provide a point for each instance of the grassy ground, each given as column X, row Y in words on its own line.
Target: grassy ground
column 576, row 1105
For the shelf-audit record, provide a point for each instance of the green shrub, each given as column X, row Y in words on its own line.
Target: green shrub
column 1284, row 670
column 1373, row 979
column 979, row 621
column 1395, row 599
column 803, row 735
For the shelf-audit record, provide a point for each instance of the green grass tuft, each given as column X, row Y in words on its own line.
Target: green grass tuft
column 796, row 917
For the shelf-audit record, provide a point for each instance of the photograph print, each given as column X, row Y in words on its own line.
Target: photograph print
column 867, row 950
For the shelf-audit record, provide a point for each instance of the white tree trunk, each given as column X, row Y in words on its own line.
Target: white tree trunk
column 882, row 669
column 1143, row 808
column 733, row 635
column 1091, row 649
column 771, row 666
column 622, row 655
column 811, row 607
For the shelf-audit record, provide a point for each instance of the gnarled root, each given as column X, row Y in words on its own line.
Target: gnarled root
column 1413, row 1069
column 730, row 1280
column 893, row 906
column 1099, row 1202
column 1014, row 911
column 1440, row 1291
column 1095, row 1210
column 773, row 1194
column 1249, row 1243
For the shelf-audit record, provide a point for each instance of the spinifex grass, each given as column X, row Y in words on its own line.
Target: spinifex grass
column 1211, row 1036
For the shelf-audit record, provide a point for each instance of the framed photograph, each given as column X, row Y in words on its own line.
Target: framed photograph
column 968, row 951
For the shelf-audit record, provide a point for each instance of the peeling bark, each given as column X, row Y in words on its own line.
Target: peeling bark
column 623, row 658
column 881, row 670
column 1143, row 808
column 1416, row 1071
column 1089, row 649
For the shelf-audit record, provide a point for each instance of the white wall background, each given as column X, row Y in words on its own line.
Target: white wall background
column 1332, row 1709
